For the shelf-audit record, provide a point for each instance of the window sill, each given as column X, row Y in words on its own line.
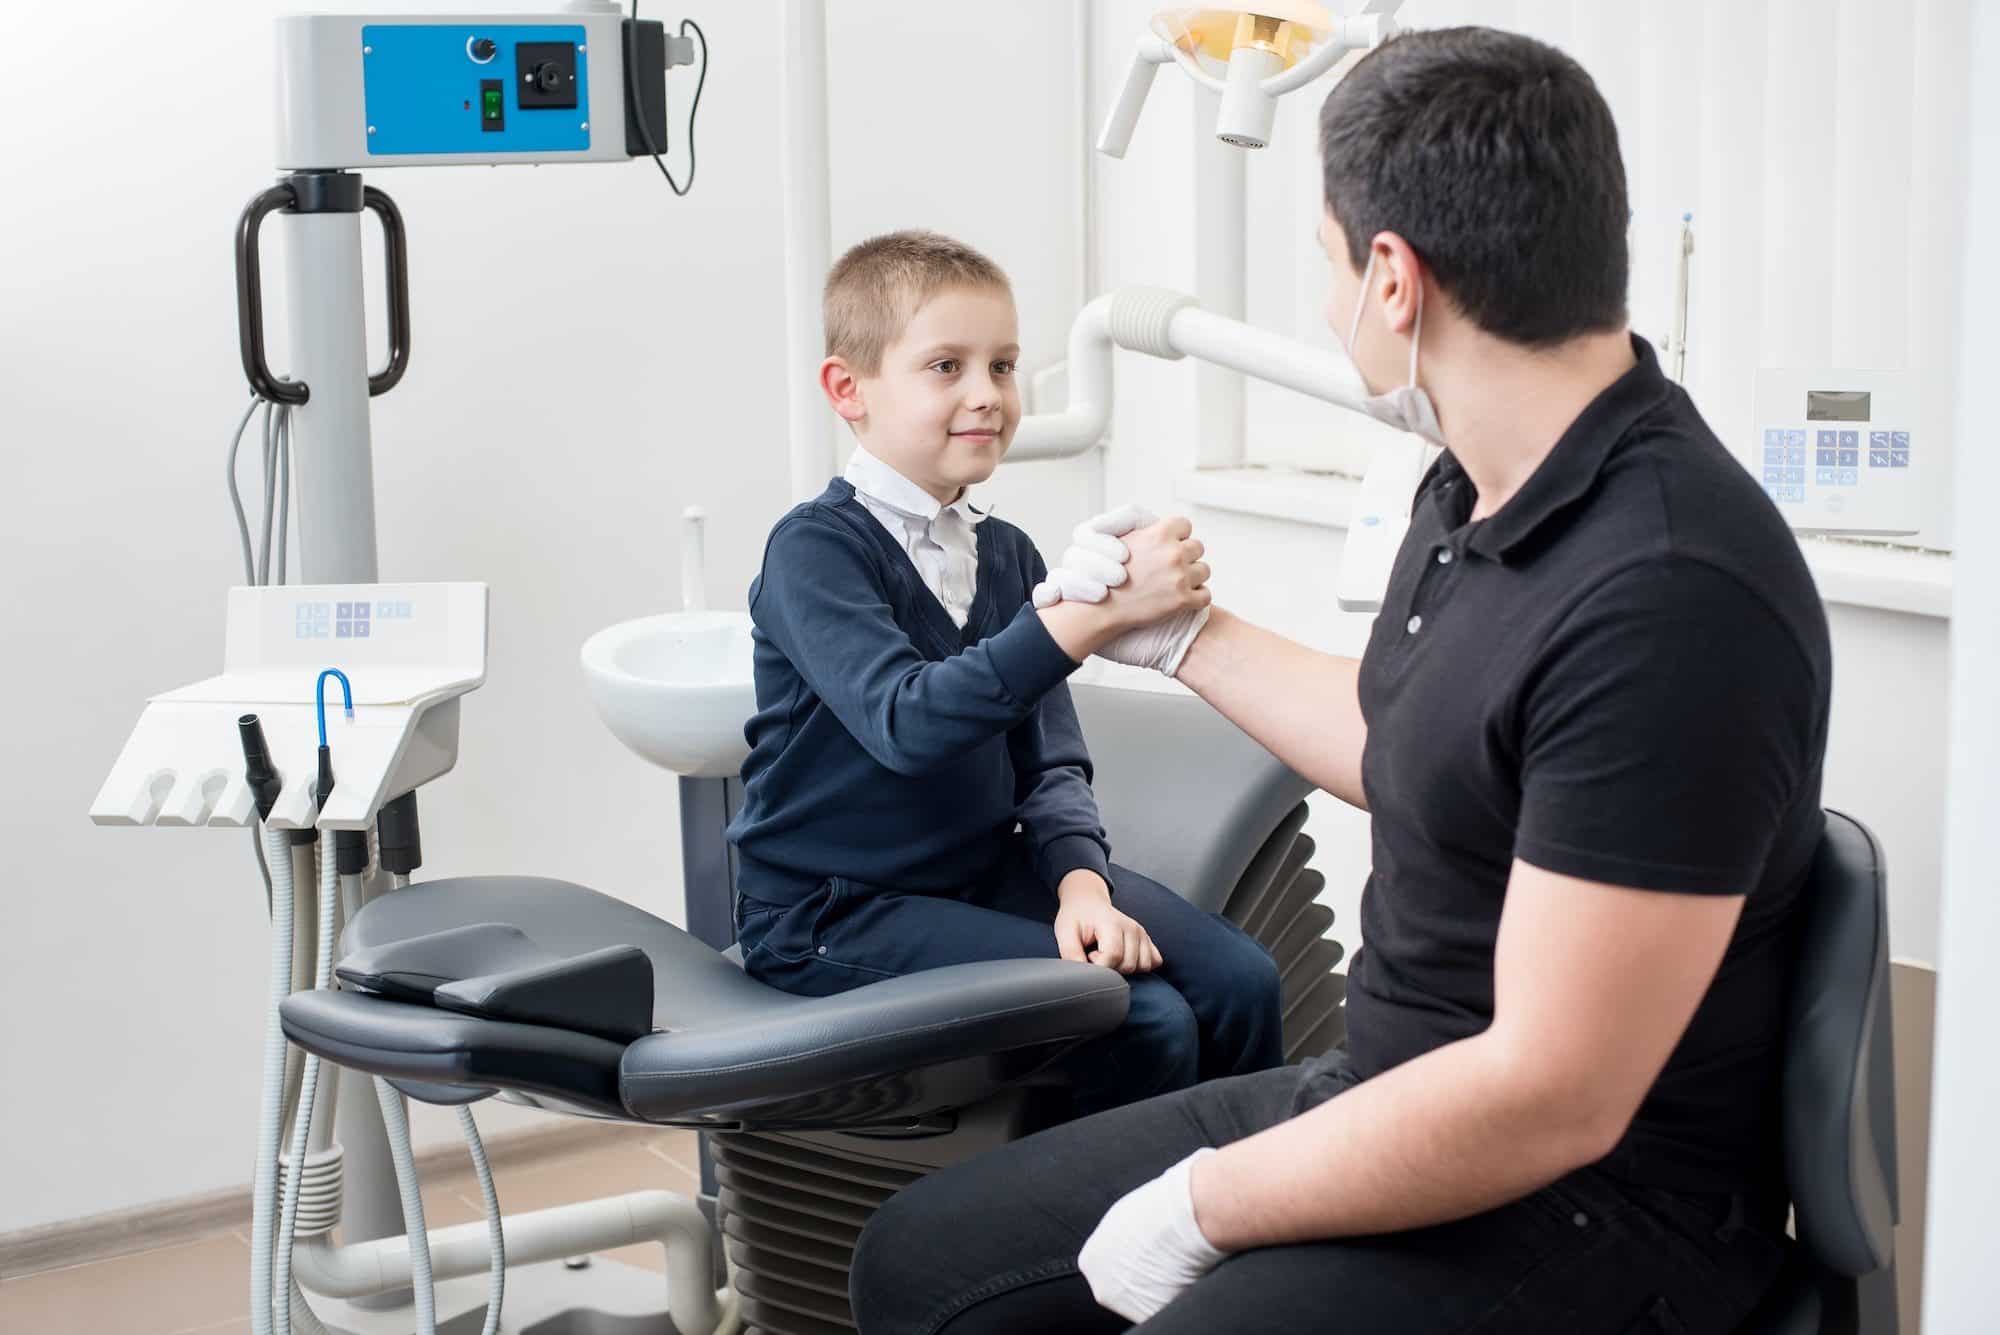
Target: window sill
column 1853, row 574
column 1325, row 499
column 1893, row 579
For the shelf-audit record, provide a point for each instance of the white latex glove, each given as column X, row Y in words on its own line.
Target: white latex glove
column 1159, row 645
column 1094, row 563
column 1148, row 1247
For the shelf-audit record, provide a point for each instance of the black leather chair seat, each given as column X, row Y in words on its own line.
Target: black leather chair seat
column 727, row 1051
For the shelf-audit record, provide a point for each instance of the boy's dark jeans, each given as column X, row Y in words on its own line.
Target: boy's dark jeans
column 1211, row 1009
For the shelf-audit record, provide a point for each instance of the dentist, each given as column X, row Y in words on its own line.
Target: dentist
column 1589, row 727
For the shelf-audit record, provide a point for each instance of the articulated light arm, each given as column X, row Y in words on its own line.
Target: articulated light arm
column 1170, row 325
column 1148, row 54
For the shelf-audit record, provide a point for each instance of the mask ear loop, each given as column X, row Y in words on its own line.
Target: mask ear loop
column 1360, row 304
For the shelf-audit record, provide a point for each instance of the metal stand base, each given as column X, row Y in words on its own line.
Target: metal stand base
column 603, row 1298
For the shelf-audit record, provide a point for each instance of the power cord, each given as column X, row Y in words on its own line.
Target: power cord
column 645, row 130
column 277, row 433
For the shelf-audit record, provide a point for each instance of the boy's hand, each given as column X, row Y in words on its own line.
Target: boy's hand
column 1165, row 574
column 1089, row 930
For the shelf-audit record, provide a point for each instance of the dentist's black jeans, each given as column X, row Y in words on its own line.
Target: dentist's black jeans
column 991, row 1245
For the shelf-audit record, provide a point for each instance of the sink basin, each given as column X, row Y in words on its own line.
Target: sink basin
column 676, row 688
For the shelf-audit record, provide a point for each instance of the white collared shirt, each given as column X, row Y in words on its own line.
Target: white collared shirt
column 939, row 538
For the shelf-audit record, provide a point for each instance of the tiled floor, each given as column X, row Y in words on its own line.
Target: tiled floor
column 201, row 1286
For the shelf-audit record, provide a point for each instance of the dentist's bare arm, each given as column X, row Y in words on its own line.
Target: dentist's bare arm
column 1301, row 705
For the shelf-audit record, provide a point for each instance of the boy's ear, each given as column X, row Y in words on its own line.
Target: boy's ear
column 843, row 389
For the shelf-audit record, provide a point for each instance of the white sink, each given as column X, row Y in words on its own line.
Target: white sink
column 676, row 688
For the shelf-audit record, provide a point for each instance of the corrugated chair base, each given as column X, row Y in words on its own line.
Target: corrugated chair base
column 793, row 1206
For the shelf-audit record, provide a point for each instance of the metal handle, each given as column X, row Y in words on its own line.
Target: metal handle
column 396, row 254
column 250, row 298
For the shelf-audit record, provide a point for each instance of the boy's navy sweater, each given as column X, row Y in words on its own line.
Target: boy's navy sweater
column 889, row 747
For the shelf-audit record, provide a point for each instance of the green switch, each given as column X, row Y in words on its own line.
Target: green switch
column 492, row 112
column 492, row 104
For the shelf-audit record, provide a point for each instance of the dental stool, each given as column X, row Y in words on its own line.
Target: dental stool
column 1839, row 1103
column 817, row 1109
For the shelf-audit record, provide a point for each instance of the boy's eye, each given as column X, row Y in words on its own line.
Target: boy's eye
column 1003, row 368
column 948, row 365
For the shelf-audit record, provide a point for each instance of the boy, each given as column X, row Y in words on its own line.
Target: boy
column 912, row 712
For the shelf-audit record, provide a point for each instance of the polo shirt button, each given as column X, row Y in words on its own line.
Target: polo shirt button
column 1414, row 625
column 1444, row 556
column 822, row 950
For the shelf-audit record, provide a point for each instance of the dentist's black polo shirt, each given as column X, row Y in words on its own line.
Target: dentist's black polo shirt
column 1622, row 676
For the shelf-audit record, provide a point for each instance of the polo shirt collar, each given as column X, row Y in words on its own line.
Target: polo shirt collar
column 1572, row 467
column 885, row 486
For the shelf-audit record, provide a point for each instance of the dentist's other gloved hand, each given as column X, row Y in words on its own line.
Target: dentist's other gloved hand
column 1097, row 561
column 1094, row 562
column 1149, row 1247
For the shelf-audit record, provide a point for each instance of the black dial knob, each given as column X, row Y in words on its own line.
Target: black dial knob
column 484, row 48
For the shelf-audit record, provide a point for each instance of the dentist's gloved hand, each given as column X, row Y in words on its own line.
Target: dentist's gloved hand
column 1148, row 1247
column 1095, row 563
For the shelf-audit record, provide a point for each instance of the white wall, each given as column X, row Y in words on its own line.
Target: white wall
column 969, row 120
column 590, row 355
column 1962, row 1286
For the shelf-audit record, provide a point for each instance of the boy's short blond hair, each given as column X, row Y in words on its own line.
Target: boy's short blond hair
column 878, row 285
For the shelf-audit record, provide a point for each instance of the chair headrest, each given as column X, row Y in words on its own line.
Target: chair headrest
column 1839, row 1086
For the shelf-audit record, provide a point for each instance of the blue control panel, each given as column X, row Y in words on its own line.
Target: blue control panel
column 475, row 88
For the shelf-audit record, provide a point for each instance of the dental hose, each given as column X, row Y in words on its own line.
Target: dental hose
column 397, row 1125
column 264, row 782
column 496, row 1289
column 343, row 859
column 329, row 906
column 264, row 1191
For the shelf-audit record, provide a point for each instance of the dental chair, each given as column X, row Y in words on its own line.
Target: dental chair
column 816, row 1109
column 1839, row 1103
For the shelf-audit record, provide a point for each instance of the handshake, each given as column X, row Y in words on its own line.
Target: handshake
column 1161, row 583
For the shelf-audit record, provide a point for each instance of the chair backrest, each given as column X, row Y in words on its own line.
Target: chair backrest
column 1839, row 1079
column 1186, row 797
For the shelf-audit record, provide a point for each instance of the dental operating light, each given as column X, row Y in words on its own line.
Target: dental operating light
column 1250, row 57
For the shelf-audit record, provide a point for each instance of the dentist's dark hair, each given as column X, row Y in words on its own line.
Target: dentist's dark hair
column 1496, row 158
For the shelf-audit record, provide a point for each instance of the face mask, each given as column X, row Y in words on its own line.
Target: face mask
column 1407, row 408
